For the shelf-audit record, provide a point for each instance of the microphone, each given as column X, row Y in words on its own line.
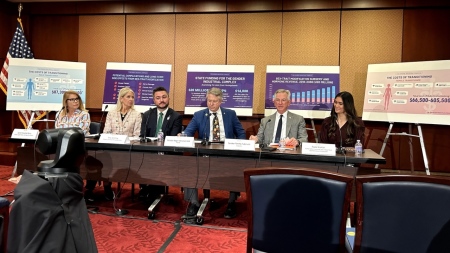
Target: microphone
column 206, row 140
column 341, row 149
column 144, row 138
column 101, row 122
column 59, row 112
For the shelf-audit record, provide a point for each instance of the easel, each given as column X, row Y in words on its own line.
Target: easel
column 422, row 145
column 30, row 124
column 313, row 128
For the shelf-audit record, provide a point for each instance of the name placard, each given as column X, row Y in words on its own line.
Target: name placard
column 311, row 148
column 178, row 141
column 29, row 134
column 114, row 139
column 239, row 144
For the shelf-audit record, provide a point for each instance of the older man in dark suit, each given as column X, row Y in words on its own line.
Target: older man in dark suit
column 214, row 123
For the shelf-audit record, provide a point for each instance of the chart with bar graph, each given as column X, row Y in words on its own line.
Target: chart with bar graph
column 312, row 88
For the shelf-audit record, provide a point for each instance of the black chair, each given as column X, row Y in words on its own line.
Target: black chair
column 4, row 221
column 296, row 209
column 402, row 213
column 95, row 127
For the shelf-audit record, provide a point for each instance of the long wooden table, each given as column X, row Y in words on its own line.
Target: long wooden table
column 206, row 167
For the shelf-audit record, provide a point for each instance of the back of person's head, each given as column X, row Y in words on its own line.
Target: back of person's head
column 216, row 92
column 124, row 91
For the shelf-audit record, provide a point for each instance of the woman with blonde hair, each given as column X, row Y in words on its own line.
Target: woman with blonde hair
column 124, row 120
column 73, row 113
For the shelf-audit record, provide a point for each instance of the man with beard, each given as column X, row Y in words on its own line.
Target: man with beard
column 158, row 118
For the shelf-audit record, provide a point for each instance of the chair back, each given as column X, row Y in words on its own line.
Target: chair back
column 296, row 209
column 95, row 127
column 402, row 213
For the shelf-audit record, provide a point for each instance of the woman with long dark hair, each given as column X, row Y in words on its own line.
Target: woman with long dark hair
column 343, row 128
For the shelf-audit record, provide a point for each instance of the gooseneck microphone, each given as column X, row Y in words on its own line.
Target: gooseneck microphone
column 144, row 138
column 205, row 140
column 103, row 113
column 341, row 149
column 59, row 112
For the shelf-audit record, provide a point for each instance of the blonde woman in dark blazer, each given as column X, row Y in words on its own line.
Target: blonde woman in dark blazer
column 124, row 120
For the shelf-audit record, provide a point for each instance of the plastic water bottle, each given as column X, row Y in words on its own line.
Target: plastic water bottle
column 358, row 148
column 183, row 134
column 160, row 135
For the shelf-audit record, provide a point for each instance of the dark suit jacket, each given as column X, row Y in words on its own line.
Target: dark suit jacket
column 200, row 122
column 171, row 125
column 50, row 216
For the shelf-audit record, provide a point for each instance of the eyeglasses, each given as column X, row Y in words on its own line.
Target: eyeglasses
column 280, row 100
column 73, row 99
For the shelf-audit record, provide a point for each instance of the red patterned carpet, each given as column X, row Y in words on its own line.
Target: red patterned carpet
column 135, row 233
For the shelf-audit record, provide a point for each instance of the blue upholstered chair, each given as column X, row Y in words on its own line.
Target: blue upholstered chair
column 297, row 209
column 402, row 213
column 95, row 128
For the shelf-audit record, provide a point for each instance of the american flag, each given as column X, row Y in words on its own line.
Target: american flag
column 18, row 49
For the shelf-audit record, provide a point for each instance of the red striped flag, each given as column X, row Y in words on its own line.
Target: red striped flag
column 18, row 49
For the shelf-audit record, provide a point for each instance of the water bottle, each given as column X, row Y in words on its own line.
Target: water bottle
column 160, row 135
column 183, row 134
column 358, row 148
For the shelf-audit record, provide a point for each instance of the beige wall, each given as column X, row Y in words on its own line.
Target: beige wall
column 351, row 39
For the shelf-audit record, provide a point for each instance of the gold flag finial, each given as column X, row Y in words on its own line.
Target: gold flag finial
column 20, row 9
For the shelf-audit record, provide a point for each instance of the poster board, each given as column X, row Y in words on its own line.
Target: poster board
column 39, row 85
column 408, row 92
column 312, row 88
column 142, row 78
column 236, row 82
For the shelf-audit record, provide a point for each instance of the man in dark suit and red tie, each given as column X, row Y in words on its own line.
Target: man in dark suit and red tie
column 158, row 118
column 214, row 123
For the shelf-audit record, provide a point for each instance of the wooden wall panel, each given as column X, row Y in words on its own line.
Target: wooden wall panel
column 144, row 6
column 311, row 38
column 371, row 4
column 426, row 34
column 254, row 5
column 60, row 34
column 200, row 39
column 101, row 40
column 372, row 36
column 255, row 39
column 311, row 4
column 185, row 6
column 151, row 39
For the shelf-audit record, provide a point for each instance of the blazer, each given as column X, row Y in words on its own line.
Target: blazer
column 295, row 127
column 201, row 123
column 131, row 124
column 171, row 126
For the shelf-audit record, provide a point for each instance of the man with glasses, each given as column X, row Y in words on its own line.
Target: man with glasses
column 282, row 124
column 214, row 124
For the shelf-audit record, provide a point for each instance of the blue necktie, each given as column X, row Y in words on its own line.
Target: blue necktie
column 280, row 125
